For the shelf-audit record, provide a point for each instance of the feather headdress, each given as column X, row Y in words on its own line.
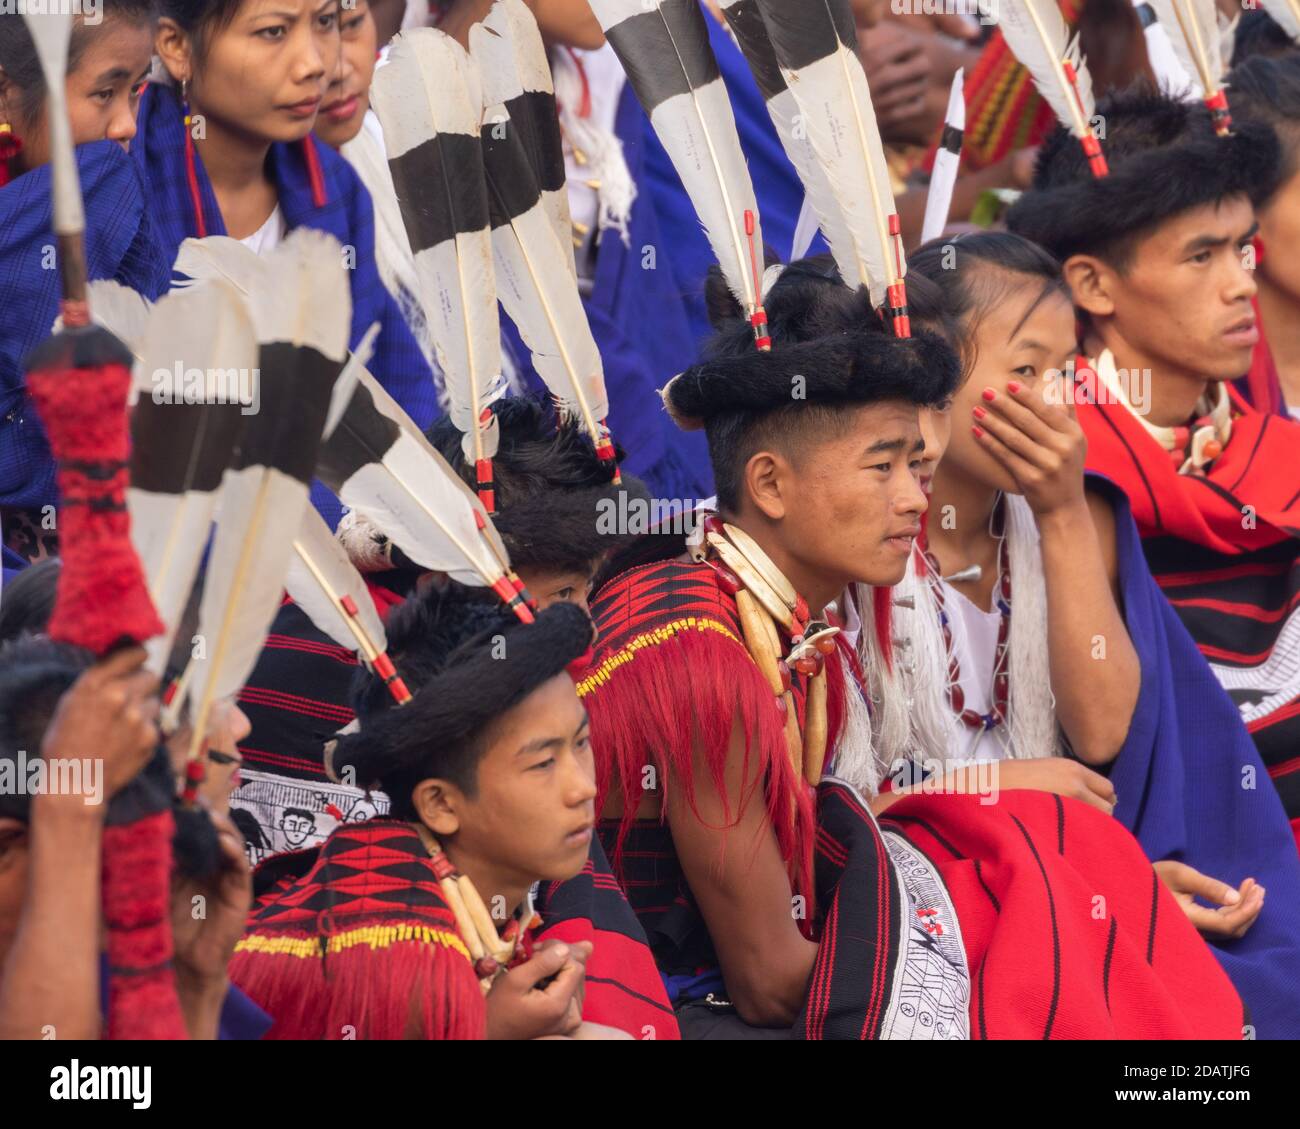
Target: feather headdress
column 1039, row 37
column 326, row 585
column 301, row 309
column 943, row 177
column 664, row 48
column 1197, row 40
column 198, row 358
column 430, row 105
column 380, row 464
column 1166, row 65
column 815, row 46
column 533, row 261
column 1286, row 14
column 514, row 72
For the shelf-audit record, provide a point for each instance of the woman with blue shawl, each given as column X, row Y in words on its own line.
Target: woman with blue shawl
column 107, row 65
column 250, row 79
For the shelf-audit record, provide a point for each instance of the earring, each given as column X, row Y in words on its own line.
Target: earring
column 10, row 146
column 191, row 169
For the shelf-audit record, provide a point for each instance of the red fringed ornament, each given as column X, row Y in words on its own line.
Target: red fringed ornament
column 142, row 1001
column 361, row 938
column 79, row 381
column 678, row 666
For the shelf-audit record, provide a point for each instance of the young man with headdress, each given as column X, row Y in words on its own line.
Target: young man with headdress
column 1159, row 260
column 421, row 924
column 720, row 691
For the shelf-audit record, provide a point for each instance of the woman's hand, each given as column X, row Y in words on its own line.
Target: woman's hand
column 1234, row 911
column 1039, row 442
column 1061, row 775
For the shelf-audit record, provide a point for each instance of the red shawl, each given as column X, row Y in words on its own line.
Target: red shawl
column 1249, row 477
column 1069, row 933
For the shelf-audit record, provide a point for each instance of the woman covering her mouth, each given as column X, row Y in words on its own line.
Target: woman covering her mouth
column 1029, row 630
column 251, row 78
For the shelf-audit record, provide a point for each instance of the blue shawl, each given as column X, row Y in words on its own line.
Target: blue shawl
column 119, row 245
column 641, row 327
column 1191, row 787
column 347, row 214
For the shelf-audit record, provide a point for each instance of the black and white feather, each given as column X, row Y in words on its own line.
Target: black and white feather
column 327, row 586
column 1038, row 36
column 381, row 466
column 1286, row 14
column 533, row 282
column 947, row 161
column 820, row 209
column 664, row 48
column 301, row 309
column 197, row 353
column 815, row 45
column 1170, row 74
column 1197, row 40
column 428, row 100
column 511, row 57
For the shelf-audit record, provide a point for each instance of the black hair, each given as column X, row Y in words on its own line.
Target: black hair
column 28, row 600
column 19, row 62
column 297, row 811
column 1267, row 89
column 1258, row 35
column 823, row 333
column 1165, row 160
column 550, row 485
column 199, row 19
column 467, row 661
column 35, row 672
column 953, row 282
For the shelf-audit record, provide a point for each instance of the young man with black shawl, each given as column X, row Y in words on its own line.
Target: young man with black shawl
column 1159, row 259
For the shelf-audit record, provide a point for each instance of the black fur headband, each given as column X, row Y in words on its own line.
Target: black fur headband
column 468, row 662
column 865, row 366
column 1165, row 159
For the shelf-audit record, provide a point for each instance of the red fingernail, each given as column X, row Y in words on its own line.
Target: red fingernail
column 1013, row 386
column 979, row 432
column 989, row 394
column 980, row 413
